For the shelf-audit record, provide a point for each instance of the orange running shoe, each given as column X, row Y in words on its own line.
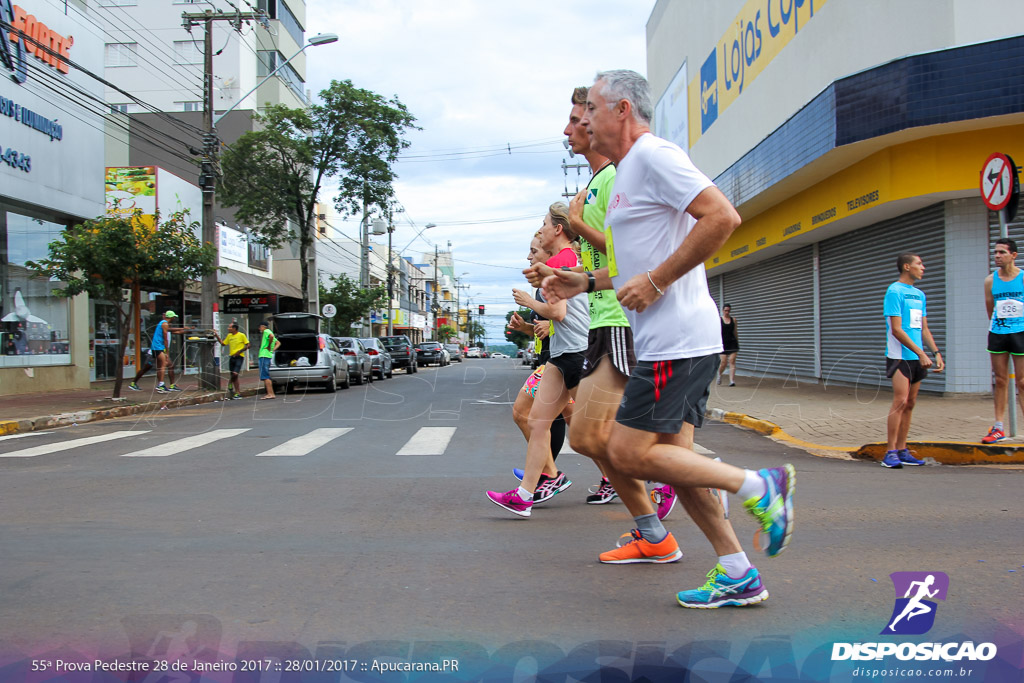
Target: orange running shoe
column 638, row 549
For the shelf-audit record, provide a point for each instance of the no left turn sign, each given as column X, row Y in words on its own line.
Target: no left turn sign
column 998, row 181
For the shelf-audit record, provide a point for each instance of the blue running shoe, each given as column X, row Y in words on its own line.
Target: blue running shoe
column 721, row 590
column 891, row 460
column 518, row 473
column 907, row 458
column 774, row 510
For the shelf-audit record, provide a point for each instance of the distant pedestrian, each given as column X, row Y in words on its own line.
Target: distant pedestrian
column 1004, row 301
column 160, row 347
column 906, row 320
column 730, row 345
column 268, row 345
column 237, row 344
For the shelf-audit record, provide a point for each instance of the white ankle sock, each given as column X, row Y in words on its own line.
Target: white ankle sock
column 525, row 495
column 735, row 565
column 753, row 486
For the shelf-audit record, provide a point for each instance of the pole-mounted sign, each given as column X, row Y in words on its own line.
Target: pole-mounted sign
column 1000, row 186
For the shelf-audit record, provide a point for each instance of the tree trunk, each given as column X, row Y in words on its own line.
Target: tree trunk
column 125, row 320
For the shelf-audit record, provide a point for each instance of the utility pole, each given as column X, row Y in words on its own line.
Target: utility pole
column 437, row 291
column 209, row 377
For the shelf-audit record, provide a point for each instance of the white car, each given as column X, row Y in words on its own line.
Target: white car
column 498, row 355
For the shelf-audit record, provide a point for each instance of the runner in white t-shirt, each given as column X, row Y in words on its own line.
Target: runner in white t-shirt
column 665, row 218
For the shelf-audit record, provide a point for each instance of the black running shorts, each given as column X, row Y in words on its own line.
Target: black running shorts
column 612, row 343
column 661, row 395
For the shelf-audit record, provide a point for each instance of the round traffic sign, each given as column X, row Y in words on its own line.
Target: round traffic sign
column 330, row 310
column 997, row 181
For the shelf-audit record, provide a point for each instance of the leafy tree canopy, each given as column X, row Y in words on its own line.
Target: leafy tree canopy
column 105, row 256
column 353, row 303
column 275, row 174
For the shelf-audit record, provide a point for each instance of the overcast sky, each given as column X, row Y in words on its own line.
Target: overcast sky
column 483, row 79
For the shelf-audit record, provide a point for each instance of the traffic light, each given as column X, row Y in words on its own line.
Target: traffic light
column 481, row 309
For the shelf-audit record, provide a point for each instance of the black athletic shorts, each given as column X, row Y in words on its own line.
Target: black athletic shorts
column 911, row 369
column 613, row 343
column 1012, row 343
column 571, row 367
column 661, row 395
column 235, row 364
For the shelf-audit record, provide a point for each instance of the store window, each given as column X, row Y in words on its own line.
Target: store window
column 33, row 319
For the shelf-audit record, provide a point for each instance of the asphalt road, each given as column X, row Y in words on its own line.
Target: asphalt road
column 374, row 541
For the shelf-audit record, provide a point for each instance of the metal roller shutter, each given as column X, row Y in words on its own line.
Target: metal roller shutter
column 1014, row 230
column 773, row 302
column 715, row 287
column 856, row 268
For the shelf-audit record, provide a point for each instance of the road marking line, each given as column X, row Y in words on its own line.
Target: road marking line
column 307, row 443
column 697, row 448
column 68, row 445
column 188, row 443
column 22, row 436
column 428, row 441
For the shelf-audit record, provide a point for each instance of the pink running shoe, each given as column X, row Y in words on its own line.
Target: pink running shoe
column 664, row 499
column 511, row 502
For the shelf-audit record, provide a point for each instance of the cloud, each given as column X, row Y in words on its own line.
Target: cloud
column 481, row 78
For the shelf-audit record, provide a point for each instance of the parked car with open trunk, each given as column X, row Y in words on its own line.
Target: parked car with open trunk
column 305, row 357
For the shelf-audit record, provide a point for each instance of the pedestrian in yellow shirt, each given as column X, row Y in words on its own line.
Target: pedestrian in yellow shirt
column 237, row 344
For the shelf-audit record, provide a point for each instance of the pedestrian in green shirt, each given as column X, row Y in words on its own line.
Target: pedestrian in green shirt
column 268, row 344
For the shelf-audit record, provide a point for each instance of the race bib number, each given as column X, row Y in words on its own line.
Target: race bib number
column 1009, row 308
column 915, row 318
column 609, row 245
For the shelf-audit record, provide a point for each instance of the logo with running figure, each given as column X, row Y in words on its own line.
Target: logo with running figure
column 914, row 611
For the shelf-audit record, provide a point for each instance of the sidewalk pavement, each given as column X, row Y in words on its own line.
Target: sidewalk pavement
column 45, row 410
column 850, row 422
column 830, row 421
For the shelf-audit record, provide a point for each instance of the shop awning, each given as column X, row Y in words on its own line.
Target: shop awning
column 256, row 283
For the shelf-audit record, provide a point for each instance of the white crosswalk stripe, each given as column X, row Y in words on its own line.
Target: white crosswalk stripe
column 68, row 445
column 428, row 441
column 307, row 443
column 188, row 443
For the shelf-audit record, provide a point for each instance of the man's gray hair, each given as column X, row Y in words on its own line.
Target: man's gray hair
column 623, row 84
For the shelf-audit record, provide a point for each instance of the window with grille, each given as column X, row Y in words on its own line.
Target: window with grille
column 187, row 52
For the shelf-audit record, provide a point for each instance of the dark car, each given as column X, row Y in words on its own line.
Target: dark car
column 430, row 352
column 382, row 364
column 403, row 353
column 455, row 351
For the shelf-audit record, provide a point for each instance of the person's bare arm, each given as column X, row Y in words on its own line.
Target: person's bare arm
column 592, row 235
column 716, row 220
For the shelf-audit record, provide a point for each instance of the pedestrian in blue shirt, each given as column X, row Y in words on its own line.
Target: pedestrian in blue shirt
column 1004, row 301
column 906, row 363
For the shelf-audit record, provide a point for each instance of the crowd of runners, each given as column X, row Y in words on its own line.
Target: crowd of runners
column 630, row 340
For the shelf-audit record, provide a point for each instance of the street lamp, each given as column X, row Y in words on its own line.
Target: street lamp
column 318, row 39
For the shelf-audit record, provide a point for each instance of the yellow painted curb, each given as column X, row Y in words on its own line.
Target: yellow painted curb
column 8, row 427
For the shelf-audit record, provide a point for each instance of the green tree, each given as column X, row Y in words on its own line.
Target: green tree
column 353, row 302
column 515, row 336
column 275, row 174
column 106, row 256
column 445, row 332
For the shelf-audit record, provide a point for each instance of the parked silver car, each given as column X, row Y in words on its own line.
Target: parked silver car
column 305, row 357
column 454, row 351
column 360, row 367
column 382, row 362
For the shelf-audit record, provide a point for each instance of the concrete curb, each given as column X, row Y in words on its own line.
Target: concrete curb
column 941, row 452
column 32, row 424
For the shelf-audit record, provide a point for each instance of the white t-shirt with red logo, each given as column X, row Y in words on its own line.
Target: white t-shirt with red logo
column 654, row 184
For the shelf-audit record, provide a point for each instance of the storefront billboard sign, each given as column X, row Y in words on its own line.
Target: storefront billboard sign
column 670, row 114
column 754, row 38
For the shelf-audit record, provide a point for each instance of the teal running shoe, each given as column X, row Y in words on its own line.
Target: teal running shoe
column 774, row 510
column 721, row 590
